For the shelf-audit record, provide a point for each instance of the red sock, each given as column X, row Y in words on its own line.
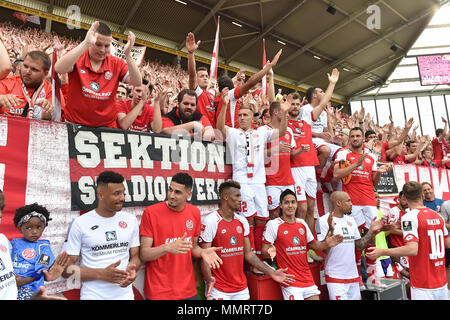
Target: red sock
column 251, row 237
column 259, row 230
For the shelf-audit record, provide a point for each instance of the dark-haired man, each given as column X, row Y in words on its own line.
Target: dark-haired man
column 291, row 237
column 185, row 120
column 94, row 76
column 28, row 94
column 136, row 115
column 303, row 166
column 426, row 238
column 319, row 128
column 365, row 175
column 228, row 229
column 199, row 82
column 106, row 242
column 169, row 240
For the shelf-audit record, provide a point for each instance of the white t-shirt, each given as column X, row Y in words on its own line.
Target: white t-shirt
column 317, row 126
column 8, row 286
column 340, row 263
column 240, row 143
column 100, row 242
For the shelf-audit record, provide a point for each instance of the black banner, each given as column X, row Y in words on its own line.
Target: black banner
column 147, row 161
column 387, row 184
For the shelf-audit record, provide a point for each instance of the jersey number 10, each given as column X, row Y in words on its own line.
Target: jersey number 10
column 437, row 244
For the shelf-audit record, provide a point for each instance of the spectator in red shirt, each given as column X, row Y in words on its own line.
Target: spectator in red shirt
column 199, row 81
column 122, row 92
column 136, row 114
column 410, row 152
column 185, row 120
column 439, row 143
column 28, row 94
column 94, row 76
column 235, row 93
column 429, row 161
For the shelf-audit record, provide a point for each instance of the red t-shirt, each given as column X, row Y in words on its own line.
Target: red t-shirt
column 361, row 188
column 205, row 105
column 143, row 121
column 396, row 214
column 427, row 268
column 233, row 108
column 278, row 169
column 433, row 164
column 438, row 145
column 291, row 244
column 170, row 277
column 303, row 135
column 92, row 94
column 230, row 277
column 384, row 148
column 13, row 86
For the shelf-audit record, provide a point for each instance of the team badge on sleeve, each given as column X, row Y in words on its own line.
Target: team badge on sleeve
column 406, row 225
column 44, row 260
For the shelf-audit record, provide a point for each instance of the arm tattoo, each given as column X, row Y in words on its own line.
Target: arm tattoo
column 362, row 243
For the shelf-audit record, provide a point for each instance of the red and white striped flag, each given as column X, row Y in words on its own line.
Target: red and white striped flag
column 264, row 79
column 56, row 90
column 215, row 55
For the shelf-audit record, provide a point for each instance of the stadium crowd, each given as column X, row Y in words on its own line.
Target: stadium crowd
column 284, row 147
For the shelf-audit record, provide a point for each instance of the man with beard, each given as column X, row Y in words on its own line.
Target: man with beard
column 106, row 241
column 185, row 119
column 365, row 175
column 169, row 241
column 303, row 166
column 28, row 94
column 341, row 272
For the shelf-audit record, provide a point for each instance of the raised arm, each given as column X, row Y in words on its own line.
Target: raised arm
column 191, row 47
column 134, row 78
column 258, row 76
column 333, row 79
column 67, row 62
column 220, row 123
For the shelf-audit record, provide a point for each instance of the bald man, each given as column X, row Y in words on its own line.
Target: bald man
column 341, row 273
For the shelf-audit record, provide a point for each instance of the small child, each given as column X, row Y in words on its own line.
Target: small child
column 33, row 260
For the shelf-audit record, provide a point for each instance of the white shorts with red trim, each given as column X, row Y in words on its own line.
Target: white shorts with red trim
column 240, row 295
column 273, row 195
column 305, row 182
column 297, row 293
column 254, row 201
column 344, row 290
column 364, row 215
column 429, row 294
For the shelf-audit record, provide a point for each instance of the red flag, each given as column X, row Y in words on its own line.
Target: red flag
column 56, row 90
column 264, row 79
column 215, row 55
column 21, row 16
